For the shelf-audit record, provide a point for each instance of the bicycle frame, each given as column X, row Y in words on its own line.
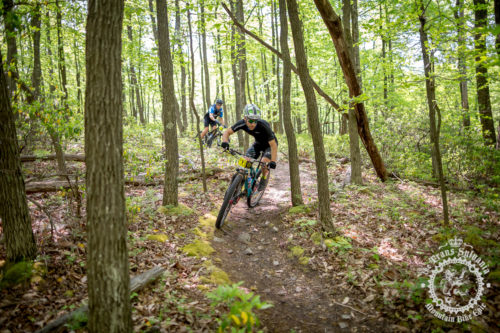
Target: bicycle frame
column 246, row 172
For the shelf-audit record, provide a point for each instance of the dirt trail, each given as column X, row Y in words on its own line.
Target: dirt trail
column 302, row 302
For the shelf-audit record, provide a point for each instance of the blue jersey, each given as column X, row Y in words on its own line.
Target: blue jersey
column 216, row 113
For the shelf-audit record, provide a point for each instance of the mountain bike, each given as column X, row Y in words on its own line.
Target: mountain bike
column 245, row 182
column 214, row 135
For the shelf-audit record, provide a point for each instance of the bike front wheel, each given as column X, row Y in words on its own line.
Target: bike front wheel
column 254, row 199
column 230, row 199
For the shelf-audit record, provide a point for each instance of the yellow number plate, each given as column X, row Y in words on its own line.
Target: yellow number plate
column 244, row 163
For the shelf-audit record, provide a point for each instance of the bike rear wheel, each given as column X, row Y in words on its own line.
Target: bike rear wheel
column 210, row 139
column 254, row 199
column 230, row 199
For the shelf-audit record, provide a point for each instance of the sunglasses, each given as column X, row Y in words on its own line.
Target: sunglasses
column 251, row 121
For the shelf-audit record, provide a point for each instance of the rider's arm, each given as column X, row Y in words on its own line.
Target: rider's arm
column 226, row 134
column 211, row 113
column 274, row 150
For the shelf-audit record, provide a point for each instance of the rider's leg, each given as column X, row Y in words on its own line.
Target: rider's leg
column 204, row 132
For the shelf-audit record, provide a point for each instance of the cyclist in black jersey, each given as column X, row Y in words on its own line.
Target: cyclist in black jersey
column 265, row 139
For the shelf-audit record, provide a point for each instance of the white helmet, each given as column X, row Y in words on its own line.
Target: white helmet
column 251, row 111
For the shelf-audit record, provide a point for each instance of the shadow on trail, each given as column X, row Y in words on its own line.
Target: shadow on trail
column 253, row 248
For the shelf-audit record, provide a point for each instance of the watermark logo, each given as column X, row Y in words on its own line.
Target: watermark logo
column 456, row 282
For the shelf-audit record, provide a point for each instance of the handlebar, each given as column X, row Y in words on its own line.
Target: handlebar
column 235, row 152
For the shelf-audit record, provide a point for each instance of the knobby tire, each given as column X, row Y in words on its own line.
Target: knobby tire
column 229, row 201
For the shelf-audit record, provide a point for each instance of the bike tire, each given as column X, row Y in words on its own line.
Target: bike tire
column 210, row 139
column 254, row 199
column 229, row 198
column 219, row 139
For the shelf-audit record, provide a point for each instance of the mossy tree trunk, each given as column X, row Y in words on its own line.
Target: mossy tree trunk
column 169, row 106
column 16, row 221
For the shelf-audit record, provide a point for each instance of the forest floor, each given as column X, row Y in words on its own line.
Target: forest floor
column 364, row 278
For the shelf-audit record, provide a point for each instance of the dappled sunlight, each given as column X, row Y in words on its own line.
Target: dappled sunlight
column 386, row 249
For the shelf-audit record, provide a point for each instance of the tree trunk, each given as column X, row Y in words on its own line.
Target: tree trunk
column 384, row 65
column 497, row 22
column 334, row 25
column 237, row 86
column 19, row 239
column 208, row 99
column 483, row 88
column 11, row 33
column 61, row 60
column 433, row 108
column 169, row 106
column 107, row 261
column 133, row 80
column 36, row 76
column 221, row 72
column 193, row 107
column 242, row 66
column 293, row 159
column 274, row 63
column 312, row 118
column 279, row 122
column 79, row 97
column 462, row 67
column 353, row 128
column 178, row 40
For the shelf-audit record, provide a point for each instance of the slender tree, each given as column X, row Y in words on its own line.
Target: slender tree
column 482, row 85
column 312, row 117
column 235, row 53
column 192, row 105
column 16, row 220
column 107, row 261
column 178, row 41
column 169, row 106
column 497, row 22
column 60, row 53
column 293, row 159
column 430, row 86
column 355, row 174
column 208, row 99
column 462, row 67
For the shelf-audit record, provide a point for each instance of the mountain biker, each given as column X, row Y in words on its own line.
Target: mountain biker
column 265, row 139
column 214, row 112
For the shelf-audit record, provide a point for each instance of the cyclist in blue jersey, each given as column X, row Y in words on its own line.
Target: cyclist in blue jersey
column 210, row 119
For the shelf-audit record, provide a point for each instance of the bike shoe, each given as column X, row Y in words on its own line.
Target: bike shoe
column 263, row 184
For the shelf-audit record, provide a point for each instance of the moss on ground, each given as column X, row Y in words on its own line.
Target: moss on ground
column 297, row 251
column 180, row 210
column 316, row 238
column 302, row 209
column 16, row 274
column 199, row 248
column 158, row 237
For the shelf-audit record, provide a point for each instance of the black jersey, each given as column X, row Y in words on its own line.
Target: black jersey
column 262, row 132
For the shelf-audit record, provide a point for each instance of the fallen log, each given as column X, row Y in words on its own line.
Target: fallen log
column 136, row 283
column 57, row 185
column 67, row 157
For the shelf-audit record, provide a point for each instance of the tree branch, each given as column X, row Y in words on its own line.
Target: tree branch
column 276, row 52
